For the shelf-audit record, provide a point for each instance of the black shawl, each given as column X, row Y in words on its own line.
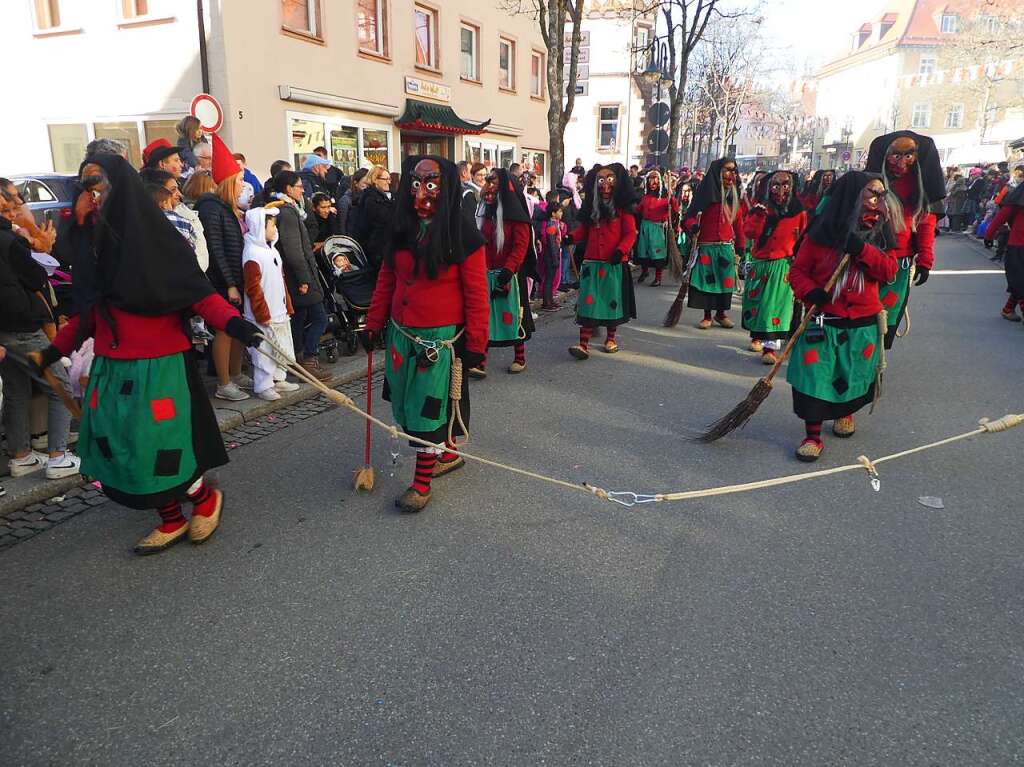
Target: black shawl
column 510, row 195
column 143, row 264
column 928, row 164
column 624, row 198
column 1015, row 196
column 450, row 237
column 710, row 189
column 775, row 215
column 838, row 219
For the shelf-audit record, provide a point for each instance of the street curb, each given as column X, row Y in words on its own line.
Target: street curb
column 53, row 488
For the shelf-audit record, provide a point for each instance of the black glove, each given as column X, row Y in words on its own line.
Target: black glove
column 922, row 276
column 694, row 229
column 567, row 240
column 854, row 245
column 367, row 339
column 818, row 297
column 242, row 330
column 617, row 257
column 504, row 278
column 51, row 354
column 473, row 359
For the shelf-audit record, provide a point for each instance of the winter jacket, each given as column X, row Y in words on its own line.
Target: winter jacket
column 1014, row 216
column 202, row 252
column 377, row 212
column 781, row 241
column 919, row 245
column 344, row 211
column 715, row 227
column 296, row 250
column 322, row 228
column 21, row 309
column 224, row 241
column 606, row 237
column 515, row 244
column 814, row 265
column 266, row 297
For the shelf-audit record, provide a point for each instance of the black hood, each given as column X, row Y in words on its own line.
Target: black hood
column 625, row 196
column 775, row 215
column 838, row 219
column 510, row 195
column 710, row 189
column 928, row 164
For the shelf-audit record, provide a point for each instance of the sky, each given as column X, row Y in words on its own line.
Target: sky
column 816, row 30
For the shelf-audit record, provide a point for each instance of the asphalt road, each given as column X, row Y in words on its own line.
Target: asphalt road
column 515, row 623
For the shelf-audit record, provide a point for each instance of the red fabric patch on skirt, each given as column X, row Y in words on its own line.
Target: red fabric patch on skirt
column 94, row 399
column 705, row 259
column 727, row 282
column 776, row 321
column 506, row 317
column 602, row 272
column 162, row 409
column 889, row 299
column 810, row 356
column 868, row 351
column 396, row 359
column 588, row 300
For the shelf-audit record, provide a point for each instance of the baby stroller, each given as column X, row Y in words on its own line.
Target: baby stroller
column 351, row 282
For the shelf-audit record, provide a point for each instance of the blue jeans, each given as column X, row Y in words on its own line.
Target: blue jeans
column 308, row 324
column 567, row 278
column 18, row 389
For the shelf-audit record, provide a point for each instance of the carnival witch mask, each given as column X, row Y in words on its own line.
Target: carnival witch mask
column 606, row 183
column 729, row 175
column 780, row 188
column 426, row 188
column 826, row 182
column 489, row 191
column 901, row 157
column 653, row 182
column 872, row 205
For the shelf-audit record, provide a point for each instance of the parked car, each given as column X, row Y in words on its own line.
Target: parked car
column 48, row 195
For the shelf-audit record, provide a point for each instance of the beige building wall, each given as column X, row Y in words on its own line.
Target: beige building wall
column 273, row 78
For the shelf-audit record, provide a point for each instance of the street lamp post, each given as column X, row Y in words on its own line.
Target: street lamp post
column 656, row 73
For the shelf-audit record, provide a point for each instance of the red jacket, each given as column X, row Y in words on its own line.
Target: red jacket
column 810, row 201
column 141, row 337
column 781, row 243
column 655, row 209
column 814, row 265
column 1013, row 215
column 715, row 227
column 458, row 296
column 606, row 237
column 517, row 242
column 909, row 243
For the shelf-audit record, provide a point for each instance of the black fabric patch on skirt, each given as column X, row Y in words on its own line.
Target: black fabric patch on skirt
column 104, row 445
column 840, row 385
column 127, row 386
column 167, row 462
column 431, row 408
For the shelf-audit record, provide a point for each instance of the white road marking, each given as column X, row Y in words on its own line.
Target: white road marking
column 966, row 271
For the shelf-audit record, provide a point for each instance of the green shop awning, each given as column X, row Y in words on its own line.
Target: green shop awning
column 436, row 118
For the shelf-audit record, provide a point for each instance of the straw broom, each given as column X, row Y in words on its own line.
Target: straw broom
column 739, row 415
column 675, row 258
column 364, row 478
column 676, row 310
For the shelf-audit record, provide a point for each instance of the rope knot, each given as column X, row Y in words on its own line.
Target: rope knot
column 1001, row 424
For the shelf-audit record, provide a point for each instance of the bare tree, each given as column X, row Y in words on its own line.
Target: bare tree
column 552, row 16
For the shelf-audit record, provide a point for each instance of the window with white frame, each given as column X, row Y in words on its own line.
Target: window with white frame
column 506, row 63
column 427, row 54
column 134, row 9
column 302, row 16
column 371, row 26
column 46, row 14
column 926, row 65
column 989, row 24
column 955, row 116
column 537, row 74
column 608, row 126
column 921, row 116
column 469, row 52
column 948, row 24
column 641, row 45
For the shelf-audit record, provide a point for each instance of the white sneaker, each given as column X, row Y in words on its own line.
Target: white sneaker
column 286, row 386
column 65, row 466
column 242, row 381
column 231, row 393
column 34, row 461
column 268, row 394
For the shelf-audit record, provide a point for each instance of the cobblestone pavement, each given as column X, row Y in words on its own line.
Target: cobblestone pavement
column 22, row 524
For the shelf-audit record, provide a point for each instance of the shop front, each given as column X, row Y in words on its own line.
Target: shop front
column 427, row 128
column 351, row 142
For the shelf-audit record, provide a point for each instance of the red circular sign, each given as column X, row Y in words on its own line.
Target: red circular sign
column 206, row 109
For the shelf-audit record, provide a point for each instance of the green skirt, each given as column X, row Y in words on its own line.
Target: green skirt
column 768, row 299
column 894, row 296
column 651, row 245
column 506, row 312
column 834, row 376
column 419, row 392
column 713, row 277
column 605, row 296
column 148, row 429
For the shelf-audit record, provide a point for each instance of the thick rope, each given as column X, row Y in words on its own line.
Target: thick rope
column 629, row 498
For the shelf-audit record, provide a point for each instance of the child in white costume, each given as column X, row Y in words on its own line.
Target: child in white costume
column 267, row 302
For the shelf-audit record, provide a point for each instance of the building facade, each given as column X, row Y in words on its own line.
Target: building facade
column 370, row 80
column 608, row 120
column 947, row 68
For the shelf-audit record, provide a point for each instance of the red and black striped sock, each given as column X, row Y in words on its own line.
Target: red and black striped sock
column 203, row 500
column 707, row 315
column 424, row 471
column 448, row 456
column 520, row 350
column 585, row 334
column 171, row 517
column 813, row 431
column 657, row 275
column 1010, row 303
column 610, row 334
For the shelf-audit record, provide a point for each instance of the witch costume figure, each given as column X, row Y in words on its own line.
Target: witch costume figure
column 910, row 168
column 655, row 209
column 1012, row 212
column 506, row 227
column 773, row 227
column 431, row 297
column 837, row 362
column 818, row 187
column 719, row 233
column 607, row 224
column 148, row 431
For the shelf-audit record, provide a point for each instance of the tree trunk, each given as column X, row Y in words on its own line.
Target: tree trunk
column 561, row 90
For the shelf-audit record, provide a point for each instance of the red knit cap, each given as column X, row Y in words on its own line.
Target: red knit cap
column 224, row 163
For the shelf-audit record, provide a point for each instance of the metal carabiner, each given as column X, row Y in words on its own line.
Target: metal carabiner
column 622, row 497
